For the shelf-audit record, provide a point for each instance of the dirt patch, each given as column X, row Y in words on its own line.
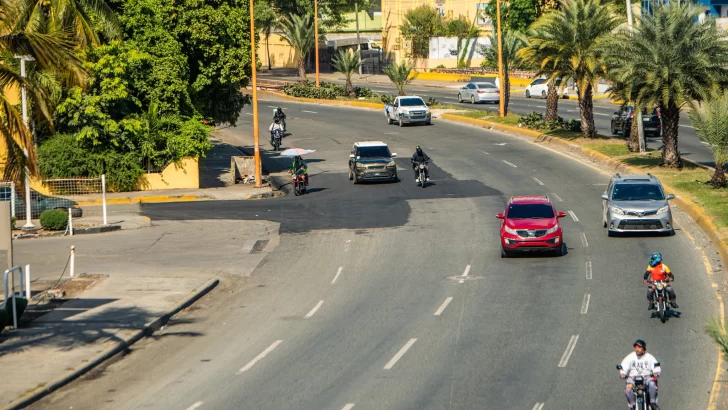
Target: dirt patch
column 51, row 297
column 78, row 284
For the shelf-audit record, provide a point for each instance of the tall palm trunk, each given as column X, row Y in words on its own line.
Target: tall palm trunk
column 506, row 92
column 349, row 86
column 586, row 111
column 633, row 142
column 267, row 49
column 302, row 68
column 670, row 123
column 718, row 179
column 552, row 102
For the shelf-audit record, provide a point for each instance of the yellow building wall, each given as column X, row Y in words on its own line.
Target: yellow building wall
column 12, row 94
column 186, row 175
column 282, row 55
column 393, row 12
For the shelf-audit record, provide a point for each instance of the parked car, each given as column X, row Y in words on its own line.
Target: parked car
column 636, row 203
column 531, row 223
column 372, row 161
column 39, row 203
column 622, row 122
column 540, row 88
column 408, row 110
column 479, row 92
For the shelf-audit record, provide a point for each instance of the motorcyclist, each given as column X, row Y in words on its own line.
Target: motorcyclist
column 658, row 271
column 299, row 167
column 276, row 125
column 420, row 157
column 640, row 363
column 278, row 113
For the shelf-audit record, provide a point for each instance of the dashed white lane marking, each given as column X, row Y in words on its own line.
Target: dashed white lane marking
column 399, row 354
column 467, row 271
column 556, row 196
column 196, row 405
column 569, row 351
column 442, row 307
column 337, row 275
column 514, row 166
column 585, row 303
column 584, row 242
column 346, row 245
column 248, row 113
column 573, row 216
column 315, row 308
column 537, row 181
column 259, row 357
column 603, row 115
column 310, row 112
column 538, row 406
column 486, row 153
column 450, row 98
column 348, row 406
column 686, row 126
column 589, row 270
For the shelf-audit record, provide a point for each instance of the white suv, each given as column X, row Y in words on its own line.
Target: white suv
column 540, row 88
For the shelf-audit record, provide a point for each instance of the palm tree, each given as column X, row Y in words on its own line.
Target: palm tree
column 711, row 125
column 346, row 63
column 400, row 75
column 512, row 43
column 669, row 60
column 569, row 41
column 532, row 57
column 298, row 32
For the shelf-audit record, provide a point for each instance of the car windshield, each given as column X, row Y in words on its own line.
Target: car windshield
column 637, row 192
column 374, row 152
column 411, row 102
column 530, row 211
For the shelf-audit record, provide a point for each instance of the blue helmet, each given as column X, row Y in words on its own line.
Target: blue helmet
column 655, row 259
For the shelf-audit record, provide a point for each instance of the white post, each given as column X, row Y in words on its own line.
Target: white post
column 27, row 282
column 70, row 222
column 73, row 259
column 12, row 199
column 103, row 196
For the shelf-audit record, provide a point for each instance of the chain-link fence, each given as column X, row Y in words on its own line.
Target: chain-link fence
column 63, row 193
column 7, row 193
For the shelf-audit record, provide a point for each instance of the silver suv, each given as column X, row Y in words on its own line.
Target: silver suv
column 636, row 203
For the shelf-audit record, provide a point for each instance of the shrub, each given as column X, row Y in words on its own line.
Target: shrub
column 387, row 99
column 531, row 120
column 309, row 90
column 54, row 220
column 573, row 125
column 432, row 102
column 440, row 66
column 363, row 92
column 535, row 121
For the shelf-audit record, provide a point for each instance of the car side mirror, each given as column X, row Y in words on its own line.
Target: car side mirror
column 561, row 214
column 351, row 155
column 670, row 196
column 500, row 216
column 394, row 154
column 604, row 197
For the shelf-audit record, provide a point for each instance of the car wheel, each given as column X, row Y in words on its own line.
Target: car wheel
column 394, row 178
column 460, row 98
column 543, row 94
column 389, row 120
column 562, row 250
column 504, row 252
column 401, row 124
column 528, row 94
column 351, row 175
column 355, row 178
column 604, row 222
column 611, row 234
column 472, row 99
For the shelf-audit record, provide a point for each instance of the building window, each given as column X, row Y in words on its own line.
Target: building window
column 441, row 11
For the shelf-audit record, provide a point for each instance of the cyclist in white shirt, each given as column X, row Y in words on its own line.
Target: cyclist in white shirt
column 640, row 363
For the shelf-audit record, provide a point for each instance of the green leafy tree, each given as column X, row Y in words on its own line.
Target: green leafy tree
column 711, row 124
column 420, row 24
column 266, row 19
column 331, row 12
column 516, row 15
column 569, row 43
column 298, row 32
column 669, row 60
column 512, row 44
column 399, row 74
column 346, row 62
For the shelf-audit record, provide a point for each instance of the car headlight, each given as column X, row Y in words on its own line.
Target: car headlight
column 616, row 210
column 552, row 229
column 663, row 210
column 391, row 164
column 511, row 231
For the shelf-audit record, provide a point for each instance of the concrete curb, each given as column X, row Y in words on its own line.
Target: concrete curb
column 122, row 345
column 144, row 199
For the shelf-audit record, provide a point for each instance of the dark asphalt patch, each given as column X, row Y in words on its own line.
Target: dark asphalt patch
column 333, row 202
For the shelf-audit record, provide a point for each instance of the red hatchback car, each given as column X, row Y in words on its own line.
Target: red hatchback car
column 531, row 223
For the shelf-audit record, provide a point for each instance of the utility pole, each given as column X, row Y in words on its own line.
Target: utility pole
column 256, row 139
column 501, row 98
column 358, row 41
column 637, row 115
column 316, row 39
column 24, row 97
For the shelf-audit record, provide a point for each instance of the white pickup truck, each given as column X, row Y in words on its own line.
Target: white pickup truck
column 408, row 110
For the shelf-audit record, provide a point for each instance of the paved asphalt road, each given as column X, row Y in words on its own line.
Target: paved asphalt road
column 357, row 306
column 690, row 145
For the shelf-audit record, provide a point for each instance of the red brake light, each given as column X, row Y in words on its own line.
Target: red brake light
column 481, row 92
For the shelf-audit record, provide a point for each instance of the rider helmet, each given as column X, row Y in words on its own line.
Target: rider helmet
column 655, row 259
column 418, row 149
column 640, row 342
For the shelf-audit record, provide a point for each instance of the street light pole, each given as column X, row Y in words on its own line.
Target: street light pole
column 358, row 41
column 637, row 114
column 24, row 98
column 501, row 98
column 316, row 39
column 256, row 139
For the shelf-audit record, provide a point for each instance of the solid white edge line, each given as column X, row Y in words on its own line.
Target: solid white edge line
column 442, row 307
column 348, row 406
column 585, row 303
column 573, row 216
column 589, row 270
column 337, row 275
column 196, row 405
column 513, row 165
column 315, row 308
column 538, row 406
column 584, row 241
column 556, row 196
column 537, row 181
column 399, row 354
column 569, row 350
column 259, row 357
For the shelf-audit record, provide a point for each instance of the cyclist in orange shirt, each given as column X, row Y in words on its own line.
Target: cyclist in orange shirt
column 658, row 271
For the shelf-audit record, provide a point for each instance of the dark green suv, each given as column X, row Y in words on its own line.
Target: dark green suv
column 39, row 203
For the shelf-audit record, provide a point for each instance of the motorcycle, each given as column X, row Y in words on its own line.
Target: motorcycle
column 662, row 300
column 422, row 168
column 642, row 396
column 283, row 120
column 299, row 184
column 276, row 139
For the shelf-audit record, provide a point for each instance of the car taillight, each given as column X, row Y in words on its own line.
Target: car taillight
column 481, row 92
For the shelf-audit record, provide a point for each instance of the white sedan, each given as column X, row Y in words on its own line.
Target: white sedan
column 540, row 88
column 479, row 92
